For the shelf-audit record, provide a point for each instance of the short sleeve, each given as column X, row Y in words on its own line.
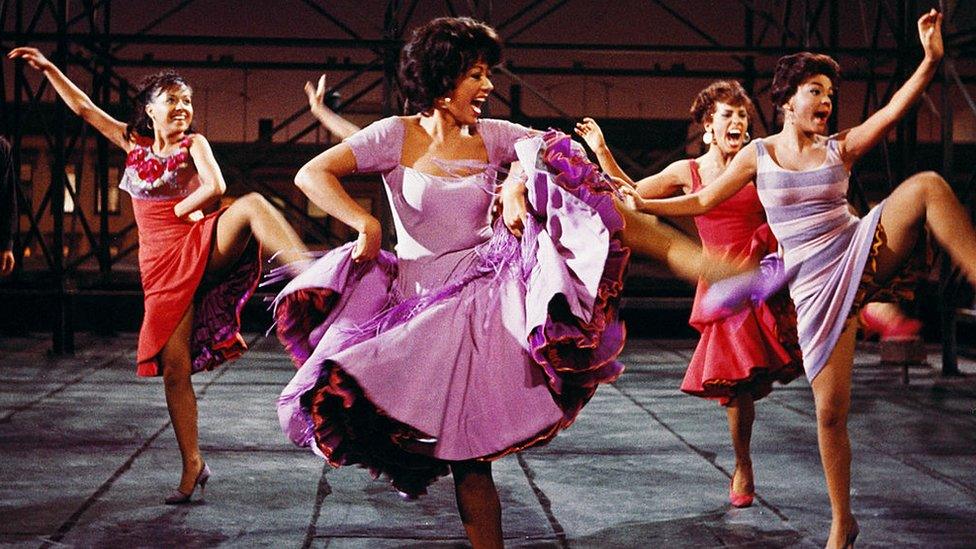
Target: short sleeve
column 500, row 137
column 378, row 147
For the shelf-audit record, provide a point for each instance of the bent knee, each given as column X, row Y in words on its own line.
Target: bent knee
column 928, row 182
column 254, row 200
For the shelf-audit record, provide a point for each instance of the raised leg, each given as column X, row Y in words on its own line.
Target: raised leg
column 181, row 401
column 832, row 394
column 742, row 413
column 478, row 504
column 925, row 198
column 251, row 215
column 648, row 236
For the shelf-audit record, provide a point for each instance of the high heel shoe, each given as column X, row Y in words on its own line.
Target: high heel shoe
column 852, row 536
column 178, row 497
column 896, row 327
column 740, row 500
column 758, row 285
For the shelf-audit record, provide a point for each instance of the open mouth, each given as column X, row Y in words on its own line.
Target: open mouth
column 477, row 104
column 734, row 136
column 821, row 116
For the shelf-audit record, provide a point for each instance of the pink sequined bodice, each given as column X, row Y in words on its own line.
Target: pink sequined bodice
column 149, row 176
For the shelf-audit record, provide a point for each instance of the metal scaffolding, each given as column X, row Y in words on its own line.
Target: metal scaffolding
column 83, row 37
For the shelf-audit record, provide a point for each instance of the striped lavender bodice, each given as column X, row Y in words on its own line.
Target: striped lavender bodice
column 825, row 246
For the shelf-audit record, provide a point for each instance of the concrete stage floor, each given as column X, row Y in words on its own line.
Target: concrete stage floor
column 87, row 455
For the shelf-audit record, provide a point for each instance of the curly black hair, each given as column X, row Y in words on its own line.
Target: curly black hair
column 139, row 122
column 792, row 70
column 438, row 54
column 729, row 92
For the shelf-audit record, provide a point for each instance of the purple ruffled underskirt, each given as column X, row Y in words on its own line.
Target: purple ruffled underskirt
column 575, row 352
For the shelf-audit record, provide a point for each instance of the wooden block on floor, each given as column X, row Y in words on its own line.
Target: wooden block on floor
column 902, row 351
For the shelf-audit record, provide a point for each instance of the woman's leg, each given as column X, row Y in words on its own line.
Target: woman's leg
column 648, row 236
column 478, row 504
column 925, row 198
column 250, row 215
column 832, row 394
column 181, row 401
column 742, row 413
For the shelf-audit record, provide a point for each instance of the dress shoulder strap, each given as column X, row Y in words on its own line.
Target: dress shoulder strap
column 696, row 181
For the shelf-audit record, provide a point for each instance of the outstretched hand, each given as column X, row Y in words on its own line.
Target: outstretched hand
column 930, row 33
column 590, row 131
column 630, row 198
column 316, row 94
column 32, row 56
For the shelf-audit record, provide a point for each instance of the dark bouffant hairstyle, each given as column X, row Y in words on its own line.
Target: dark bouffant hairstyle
column 791, row 70
column 720, row 91
column 439, row 53
column 139, row 123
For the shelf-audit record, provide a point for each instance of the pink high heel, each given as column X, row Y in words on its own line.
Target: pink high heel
column 180, row 498
column 740, row 500
column 899, row 327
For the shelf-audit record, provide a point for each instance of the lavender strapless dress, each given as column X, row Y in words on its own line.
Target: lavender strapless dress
column 469, row 343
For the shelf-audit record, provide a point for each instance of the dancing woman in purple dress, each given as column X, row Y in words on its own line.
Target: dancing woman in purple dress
column 839, row 261
column 475, row 340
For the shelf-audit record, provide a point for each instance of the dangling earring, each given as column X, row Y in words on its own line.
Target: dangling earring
column 707, row 137
column 747, row 137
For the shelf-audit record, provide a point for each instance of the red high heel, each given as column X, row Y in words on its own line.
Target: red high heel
column 899, row 327
column 740, row 500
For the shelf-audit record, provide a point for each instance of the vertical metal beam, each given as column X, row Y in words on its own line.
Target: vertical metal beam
column 905, row 134
column 834, row 37
column 62, row 335
column 103, row 91
column 391, row 31
column 947, row 305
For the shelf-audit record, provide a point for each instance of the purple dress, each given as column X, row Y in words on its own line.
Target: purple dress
column 470, row 343
column 824, row 245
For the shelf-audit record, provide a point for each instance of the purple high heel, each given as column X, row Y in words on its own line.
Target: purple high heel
column 180, row 498
column 735, row 292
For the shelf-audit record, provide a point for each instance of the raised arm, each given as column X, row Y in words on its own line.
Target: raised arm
column 212, row 184
column 591, row 133
column 72, row 95
column 741, row 171
column 668, row 182
column 857, row 141
column 330, row 119
column 319, row 180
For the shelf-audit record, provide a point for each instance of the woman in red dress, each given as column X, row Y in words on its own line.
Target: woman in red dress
column 197, row 270
column 740, row 352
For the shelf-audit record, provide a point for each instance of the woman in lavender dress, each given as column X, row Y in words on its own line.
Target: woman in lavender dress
column 839, row 261
column 475, row 341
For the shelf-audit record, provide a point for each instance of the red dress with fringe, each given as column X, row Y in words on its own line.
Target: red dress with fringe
column 173, row 255
column 746, row 350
